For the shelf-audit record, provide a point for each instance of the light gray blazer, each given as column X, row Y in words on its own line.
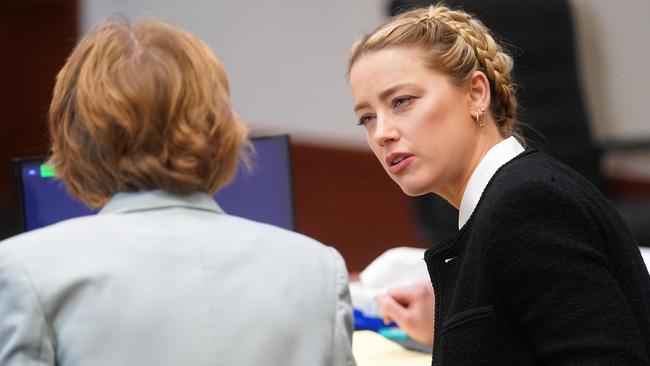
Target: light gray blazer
column 157, row 279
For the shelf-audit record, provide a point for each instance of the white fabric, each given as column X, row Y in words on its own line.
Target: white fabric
column 645, row 253
column 396, row 267
column 498, row 155
column 156, row 279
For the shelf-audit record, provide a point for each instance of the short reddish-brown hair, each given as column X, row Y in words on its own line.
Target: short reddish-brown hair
column 143, row 107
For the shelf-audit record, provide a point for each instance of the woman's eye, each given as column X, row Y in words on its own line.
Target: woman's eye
column 365, row 119
column 401, row 101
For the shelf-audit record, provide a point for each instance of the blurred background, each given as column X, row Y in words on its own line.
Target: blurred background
column 581, row 66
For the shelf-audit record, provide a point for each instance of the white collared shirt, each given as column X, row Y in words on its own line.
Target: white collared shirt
column 498, row 155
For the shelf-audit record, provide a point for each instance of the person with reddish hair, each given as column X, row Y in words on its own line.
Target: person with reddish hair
column 142, row 127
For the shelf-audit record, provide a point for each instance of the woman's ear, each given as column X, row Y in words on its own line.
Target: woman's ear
column 479, row 90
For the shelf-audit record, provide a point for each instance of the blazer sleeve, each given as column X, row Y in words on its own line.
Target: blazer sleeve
column 343, row 322
column 548, row 262
column 25, row 337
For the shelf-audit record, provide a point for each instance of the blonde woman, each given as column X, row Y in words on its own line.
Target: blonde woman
column 542, row 269
column 141, row 125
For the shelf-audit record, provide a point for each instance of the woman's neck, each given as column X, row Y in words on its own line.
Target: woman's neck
column 488, row 138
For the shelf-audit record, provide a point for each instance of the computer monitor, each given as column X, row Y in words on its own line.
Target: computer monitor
column 264, row 195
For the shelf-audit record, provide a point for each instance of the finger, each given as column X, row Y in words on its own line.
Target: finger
column 392, row 309
column 379, row 299
column 403, row 295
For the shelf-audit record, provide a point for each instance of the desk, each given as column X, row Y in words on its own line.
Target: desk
column 372, row 349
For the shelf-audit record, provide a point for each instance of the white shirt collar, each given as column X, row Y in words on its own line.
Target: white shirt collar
column 498, row 155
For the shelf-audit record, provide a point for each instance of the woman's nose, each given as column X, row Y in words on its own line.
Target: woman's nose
column 385, row 131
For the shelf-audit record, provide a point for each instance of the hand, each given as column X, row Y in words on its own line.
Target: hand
column 412, row 308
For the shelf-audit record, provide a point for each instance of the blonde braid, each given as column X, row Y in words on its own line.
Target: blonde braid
column 496, row 63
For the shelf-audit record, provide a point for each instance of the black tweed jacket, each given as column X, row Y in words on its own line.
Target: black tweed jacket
column 545, row 272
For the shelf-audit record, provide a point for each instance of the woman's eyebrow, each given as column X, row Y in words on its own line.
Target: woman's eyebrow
column 360, row 106
column 383, row 95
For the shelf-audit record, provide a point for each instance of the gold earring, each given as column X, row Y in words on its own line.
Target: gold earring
column 480, row 118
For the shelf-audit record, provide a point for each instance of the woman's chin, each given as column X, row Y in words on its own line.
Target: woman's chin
column 414, row 191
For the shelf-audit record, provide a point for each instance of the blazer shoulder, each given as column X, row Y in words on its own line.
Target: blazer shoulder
column 536, row 174
column 52, row 236
column 276, row 238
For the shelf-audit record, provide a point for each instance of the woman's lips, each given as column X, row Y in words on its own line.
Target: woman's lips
column 400, row 166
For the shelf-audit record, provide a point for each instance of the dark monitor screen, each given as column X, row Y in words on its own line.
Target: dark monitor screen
column 264, row 195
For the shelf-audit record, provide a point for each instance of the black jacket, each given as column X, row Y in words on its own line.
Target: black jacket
column 543, row 273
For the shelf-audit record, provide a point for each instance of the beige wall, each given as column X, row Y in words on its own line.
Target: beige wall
column 614, row 51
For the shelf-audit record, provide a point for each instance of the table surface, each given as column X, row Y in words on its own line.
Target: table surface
column 372, row 349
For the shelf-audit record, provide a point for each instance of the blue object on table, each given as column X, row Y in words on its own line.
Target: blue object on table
column 363, row 322
column 390, row 331
column 400, row 337
column 393, row 333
